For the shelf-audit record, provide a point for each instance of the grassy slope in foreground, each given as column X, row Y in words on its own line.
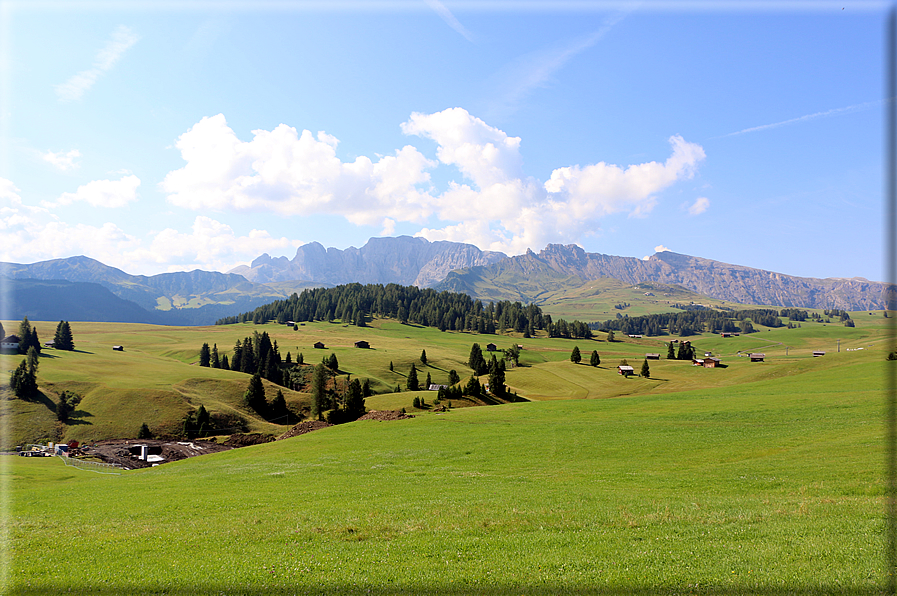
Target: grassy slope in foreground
column 770, row 487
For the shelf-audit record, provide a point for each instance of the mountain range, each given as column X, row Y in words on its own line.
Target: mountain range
column 85, row 289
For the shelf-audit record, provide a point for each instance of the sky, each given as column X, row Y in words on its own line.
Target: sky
column 160, row 137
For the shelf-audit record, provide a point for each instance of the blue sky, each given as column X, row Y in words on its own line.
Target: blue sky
column 185, row 135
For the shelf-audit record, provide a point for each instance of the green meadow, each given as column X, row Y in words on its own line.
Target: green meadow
column 755, row 478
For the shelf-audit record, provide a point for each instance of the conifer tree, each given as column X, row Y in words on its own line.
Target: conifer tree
column 646, row 372
column 423, row 357
column 575, row 356
column 412, row 382
column 594, row 359
column 216, row 361
column 671, row 352
column 319, row 398
column 254, row 397
column 63, row 339
column 205, row 355
column 144, row 432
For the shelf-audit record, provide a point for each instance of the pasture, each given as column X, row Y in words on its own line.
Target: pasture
column 755, row 478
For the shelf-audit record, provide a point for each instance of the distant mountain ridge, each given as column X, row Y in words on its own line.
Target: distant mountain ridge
column 180, row 298
column 201, row 297
column 715, row 279
column 403, row 260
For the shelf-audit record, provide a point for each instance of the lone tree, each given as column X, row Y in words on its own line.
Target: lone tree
column 594, row 359
column 423, row 357
column 413, row 384
column 575, row 356
column 63, row 339
column 646, row 372
column 610, row 335
column 254, row 398
column 68, row 401
column 319, row 397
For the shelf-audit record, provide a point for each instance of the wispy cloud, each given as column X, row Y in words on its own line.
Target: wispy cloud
column 835, row 112
column 446, row 15
column 536, row 69
column 699, row 206
column 63, row 161
column 120, row 41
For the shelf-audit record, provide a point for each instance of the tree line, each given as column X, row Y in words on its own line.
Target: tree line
column 448, row 311
column 693, row 322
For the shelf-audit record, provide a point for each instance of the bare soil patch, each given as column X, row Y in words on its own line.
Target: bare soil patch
column 304, row 427
column 125, row 452
column 386, row 415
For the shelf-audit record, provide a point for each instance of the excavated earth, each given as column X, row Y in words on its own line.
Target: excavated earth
column 125, row 454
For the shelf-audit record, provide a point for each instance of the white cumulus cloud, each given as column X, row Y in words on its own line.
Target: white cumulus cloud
column 75, row 87
column 493, row 205
column 62, row 161
column 103, row 193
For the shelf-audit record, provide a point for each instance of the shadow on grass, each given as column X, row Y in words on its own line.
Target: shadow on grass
column 446, row 589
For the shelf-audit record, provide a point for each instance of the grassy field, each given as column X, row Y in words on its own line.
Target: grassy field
column 156, row 378
column 764, row 487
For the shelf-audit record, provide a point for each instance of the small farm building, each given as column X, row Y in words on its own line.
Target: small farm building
column 711, row 362
column 491, row 347
column 728, row 334
column 118, row 348
column 652, row 356
column 626, row 370
column 362, row 344
column 50, row 344
column 10, row 342
column 435, row 387
column 635, row 336
column 757, row 357
column 319, row 345
column 697, row 361
column 818, row 353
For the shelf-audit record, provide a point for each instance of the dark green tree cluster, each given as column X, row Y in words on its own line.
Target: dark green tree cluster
column 574, row 330
column 691, row 322
column 255, row 399
column 28, row 337
column 795, row 314
column 256, row 354
column 68, row 401
column 23, row 380
column 63, row 340
column 686, row 351
column 355, row 302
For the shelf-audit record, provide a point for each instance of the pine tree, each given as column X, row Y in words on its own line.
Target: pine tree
column 594, row 359
column 254, row 397
column 203, row 424
column 319, row 398
column 453, row 378
column 476, row 361
column 423, row 357
column 354, row 400
column 205, row 355
column 216, row 361
column 390, row 366
column 333, row 363
column 279, row 412
column 224, row 364
column 144, row 432
column 63, row 339
column 646, row 372
column 412, row 382
column 575, row 356
column 671, row 352
column 610, row 335
column 429, row 381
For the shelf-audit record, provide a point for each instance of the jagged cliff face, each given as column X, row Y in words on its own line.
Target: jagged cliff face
column 704, row 276
column 403, row 260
